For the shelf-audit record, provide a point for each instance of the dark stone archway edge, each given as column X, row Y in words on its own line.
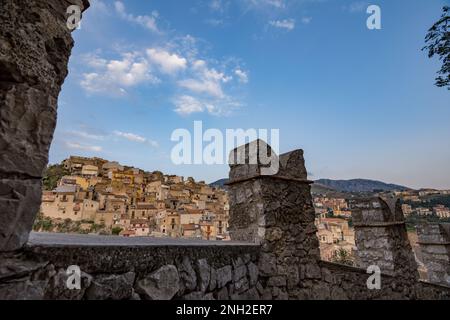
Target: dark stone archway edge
column 35, row 46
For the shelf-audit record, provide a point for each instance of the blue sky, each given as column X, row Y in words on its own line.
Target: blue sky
column 361, row 103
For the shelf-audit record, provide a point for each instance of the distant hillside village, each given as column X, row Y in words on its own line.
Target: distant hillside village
column 93, row 195
column 334, row 218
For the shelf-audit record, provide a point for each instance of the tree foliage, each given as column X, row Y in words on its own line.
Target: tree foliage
column 342, row 256
column 116, row 231
column 52, row 175
column 438, row 44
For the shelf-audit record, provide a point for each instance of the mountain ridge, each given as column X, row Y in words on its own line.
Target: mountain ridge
column 351, row 185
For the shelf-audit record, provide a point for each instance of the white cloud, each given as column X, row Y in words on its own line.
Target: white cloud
column 217, row 5
column 168, row 63
column 357, row 6
column 78, row 146
column 210, row 87
column 98, row 6
column 114, row 76
column 135, row 138
column 86, row 135
column 149, row 22
column 288, row 24
column 186, row 105
column 207, row 80
column 306, row 20
column 199, row 83
column 214, row 22
column 242, row 75
column 278, row 4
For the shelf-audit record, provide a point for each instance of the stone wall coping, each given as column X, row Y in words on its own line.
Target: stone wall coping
column 59, row 240
column 258, row 176
column 430, row 243
column 378, row 224
column 344, row 267
column 433, row 284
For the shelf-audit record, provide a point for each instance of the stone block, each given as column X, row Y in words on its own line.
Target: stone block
column 223, row 276
column 203, row 274
column 19, row 204
column 111, row 287
column 162, row 284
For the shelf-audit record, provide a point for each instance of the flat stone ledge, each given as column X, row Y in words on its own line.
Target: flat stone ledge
column 116, row 255
column 78, row 240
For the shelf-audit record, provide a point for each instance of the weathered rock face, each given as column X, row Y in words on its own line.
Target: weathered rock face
column 275, row 211
column 112, row 287
column 163, row 284
column 35, row 45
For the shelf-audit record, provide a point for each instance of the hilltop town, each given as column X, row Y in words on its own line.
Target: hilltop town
column 335, row 226
column 93, row 195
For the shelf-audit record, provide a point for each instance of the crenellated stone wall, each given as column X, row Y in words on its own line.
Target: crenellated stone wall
column 275, row 211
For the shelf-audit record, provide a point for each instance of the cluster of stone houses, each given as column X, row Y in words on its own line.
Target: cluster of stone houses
column 440, row 211
column 338, row 206
column 334, row 232
column 137, row 203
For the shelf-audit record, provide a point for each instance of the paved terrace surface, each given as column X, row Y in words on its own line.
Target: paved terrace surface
column 80, row 240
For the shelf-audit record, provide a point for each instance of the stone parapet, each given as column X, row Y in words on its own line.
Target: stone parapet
column 276, row 212
column 153, row 271
column 434, row 242
column 381, row 237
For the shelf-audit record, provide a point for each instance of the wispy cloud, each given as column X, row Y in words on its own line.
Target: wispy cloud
column 86, row 135
column 77, row 146
column 218, row 5
column 280, row 4
column 186, row 105
column 215, row 22
column 135, row 138
column 287, row 24
column 306, row 20
column 242, row 75
column 199, row 83
column 357, row 6
column 146, row 21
